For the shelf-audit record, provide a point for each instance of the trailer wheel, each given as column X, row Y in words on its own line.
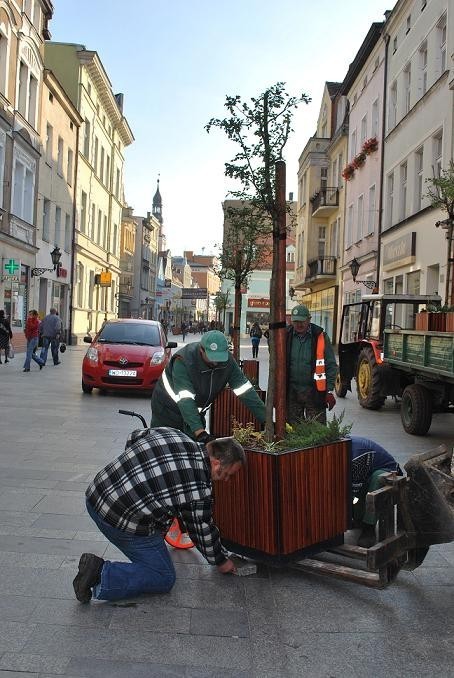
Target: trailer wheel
column 416, row 410
column 339, row 387
column 368, row 381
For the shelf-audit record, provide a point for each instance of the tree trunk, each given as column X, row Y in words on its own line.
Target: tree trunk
column 236, row 323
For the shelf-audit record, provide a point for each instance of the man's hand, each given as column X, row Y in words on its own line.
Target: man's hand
column 227, row 567
column 330, row 401
column 205, row 437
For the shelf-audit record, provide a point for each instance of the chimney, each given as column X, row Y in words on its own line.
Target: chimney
column 119, row 99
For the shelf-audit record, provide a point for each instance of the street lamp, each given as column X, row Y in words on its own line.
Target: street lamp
column 354, row 268
column 55, row 256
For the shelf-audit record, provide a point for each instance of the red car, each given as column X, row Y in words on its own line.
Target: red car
column 126, row 354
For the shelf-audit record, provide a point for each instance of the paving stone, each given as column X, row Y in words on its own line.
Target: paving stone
column 71, row 613
column 37, row 663
column 18, row 674
column 37, row 560
column 52, row 546
column 68, row 503
column 220, row 623
column 105, row 668
column 13, row 635
column 61, row 522
column 17, row 608
column 17, row 499
column 17, row 518
column 151, row 618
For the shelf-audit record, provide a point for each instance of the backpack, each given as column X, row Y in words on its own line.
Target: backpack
column 4, row 329
column 256, row 332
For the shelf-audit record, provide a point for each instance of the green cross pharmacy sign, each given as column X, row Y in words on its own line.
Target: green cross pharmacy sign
column 10, row 266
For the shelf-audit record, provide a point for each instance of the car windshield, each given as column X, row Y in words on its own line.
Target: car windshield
column 130, row 333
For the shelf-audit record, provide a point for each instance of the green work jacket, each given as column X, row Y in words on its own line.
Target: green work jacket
column 188, row 386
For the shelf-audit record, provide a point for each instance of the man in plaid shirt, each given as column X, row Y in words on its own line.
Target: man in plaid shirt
column 162, row 474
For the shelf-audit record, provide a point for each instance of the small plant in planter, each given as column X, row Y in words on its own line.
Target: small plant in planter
column 359, row 160
column 370, row 145
column 348, row 172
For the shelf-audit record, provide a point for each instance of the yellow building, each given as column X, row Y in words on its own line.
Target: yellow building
column 320, row 216
column 103, row 137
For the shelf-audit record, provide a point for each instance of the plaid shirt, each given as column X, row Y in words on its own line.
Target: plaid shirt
column 161, row 474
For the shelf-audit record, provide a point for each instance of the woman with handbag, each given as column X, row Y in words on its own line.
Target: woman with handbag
column 5, row 335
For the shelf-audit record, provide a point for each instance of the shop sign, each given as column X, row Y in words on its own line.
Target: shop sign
column 194, row 293
column 10, row 267
column 259, row 303
column 10, row 278
column 400, row 252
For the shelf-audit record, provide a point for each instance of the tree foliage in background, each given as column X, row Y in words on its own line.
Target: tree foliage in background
column 260, row 129
column 441, row 190
column 221, row 301
column 246, row 244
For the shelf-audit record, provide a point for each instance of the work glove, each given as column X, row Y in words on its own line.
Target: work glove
column 330, row 401
column 205, row 437
column 288, row 427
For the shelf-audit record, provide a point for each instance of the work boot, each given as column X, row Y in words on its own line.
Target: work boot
column 367, row 537
column 90, row 567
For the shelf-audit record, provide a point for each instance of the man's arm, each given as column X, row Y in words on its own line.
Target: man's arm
column 185, row 394
column 243, row 388
column 198, row 519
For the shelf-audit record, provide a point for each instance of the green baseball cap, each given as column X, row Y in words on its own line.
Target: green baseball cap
column 300, row 313
column 216, row 347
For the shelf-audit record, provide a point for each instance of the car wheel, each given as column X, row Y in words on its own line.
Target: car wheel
column 416, row 410
column 86, row 388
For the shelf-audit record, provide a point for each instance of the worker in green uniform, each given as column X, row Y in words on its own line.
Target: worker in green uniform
column 191, row 382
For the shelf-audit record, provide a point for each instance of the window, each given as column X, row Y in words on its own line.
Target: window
column 392, row 115
column 334, row 173
column 407, row 87
column 340, row 163
column 423, row 67
column 374, row 130
column 353, row 144
column 107, row 181
column 115, row 241
column 419, row 166
column 91, row 287
column 49, row 143
column 390, row 199
column 117, row 185
column 60, row 156
column 32, row 100
column 57, row 238
column 98, row 235
column 46, row 220
column 104, row 235
column 408, row 24
column 360, row 221
column 89, row 89
column 3, row 63
column 80, row 284
column 101, row 167
column 441, row 29
column 87, row 128
column 23, row 187
column 335, row 229
column 95, row 154
column 437, row 145
column 93, row 221
column 403, row 191
column 371, row 212
column 323, row 178
column 67, row 233
column 349, row 231
column 321, row 241
column 22, row 94
column 83, row 213
column 69, row 167
column 363, row 129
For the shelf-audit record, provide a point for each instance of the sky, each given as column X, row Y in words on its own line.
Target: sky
column 176, row 60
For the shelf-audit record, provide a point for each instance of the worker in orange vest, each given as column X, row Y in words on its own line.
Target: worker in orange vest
column 311, row 369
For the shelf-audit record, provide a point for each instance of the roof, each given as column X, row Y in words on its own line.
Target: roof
column 362, row 55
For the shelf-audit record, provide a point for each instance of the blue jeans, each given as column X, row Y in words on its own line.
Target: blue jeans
column 150, row 571
column 54, row 344
column 31, row 345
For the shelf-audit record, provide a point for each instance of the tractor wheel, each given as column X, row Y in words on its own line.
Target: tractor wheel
column 416, row 410
column 86, row 388
column 368, row 381
column 339, row 387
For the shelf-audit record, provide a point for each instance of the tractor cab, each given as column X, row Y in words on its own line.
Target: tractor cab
column 361, row 342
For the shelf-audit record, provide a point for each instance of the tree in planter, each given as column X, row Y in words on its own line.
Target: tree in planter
column 441, row 194
column 244, row 246
column 261, row 130
column 221, row 301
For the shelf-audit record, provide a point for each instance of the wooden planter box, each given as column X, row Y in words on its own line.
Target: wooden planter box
column 434, row 322
column 227, row 407
column 450, row 321
column 283, row 506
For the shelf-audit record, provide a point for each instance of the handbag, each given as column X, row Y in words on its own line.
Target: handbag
column 62, row 347
column 10, row 351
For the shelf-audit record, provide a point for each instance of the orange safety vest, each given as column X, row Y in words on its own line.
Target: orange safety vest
column 320, row 374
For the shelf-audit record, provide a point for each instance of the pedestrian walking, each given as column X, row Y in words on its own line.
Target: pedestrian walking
column 311, row 369
column 256, row 334
column 31, row 332
column 5, row 336
column 50, row 331
column 369, row 461
column 161, row 475
column 193, row 379
column 184, row 329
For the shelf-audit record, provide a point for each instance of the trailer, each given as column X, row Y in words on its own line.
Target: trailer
column 422, row 370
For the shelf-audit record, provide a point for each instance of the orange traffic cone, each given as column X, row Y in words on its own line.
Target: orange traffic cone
column 176, row 538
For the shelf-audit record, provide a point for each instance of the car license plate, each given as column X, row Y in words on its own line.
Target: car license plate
column 122, row 373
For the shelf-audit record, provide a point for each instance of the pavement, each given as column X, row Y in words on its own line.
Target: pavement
column 277, row 623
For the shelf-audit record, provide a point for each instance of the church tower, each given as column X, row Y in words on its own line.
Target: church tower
column 157, row 205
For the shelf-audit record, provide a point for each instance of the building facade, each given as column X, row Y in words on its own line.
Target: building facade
column 103, row 137
column 23, row 30
column 60, row 123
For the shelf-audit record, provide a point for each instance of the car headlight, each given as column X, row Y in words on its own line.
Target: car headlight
column 157, row 358
column 92, row 354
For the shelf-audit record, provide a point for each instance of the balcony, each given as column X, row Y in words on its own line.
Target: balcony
column 325, row 202
column 322, row 268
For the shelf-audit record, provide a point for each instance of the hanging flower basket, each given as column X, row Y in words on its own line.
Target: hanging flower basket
column 348, row 171
column 359, row 160
column 370, row 145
